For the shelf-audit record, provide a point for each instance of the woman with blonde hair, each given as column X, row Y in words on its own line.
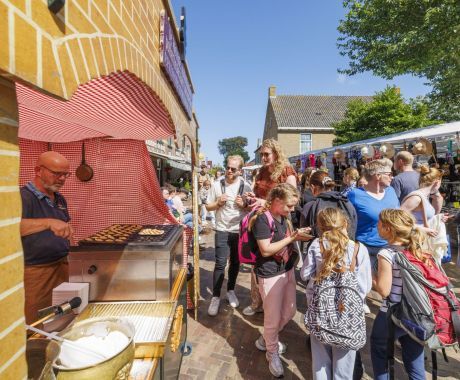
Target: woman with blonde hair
column 275, row 169
column 399, row 229
column 418, row 202
column 276, row 256
column 350, row 179
column 333, row 252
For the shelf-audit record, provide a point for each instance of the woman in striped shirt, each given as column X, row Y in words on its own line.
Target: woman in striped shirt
column 399, row 229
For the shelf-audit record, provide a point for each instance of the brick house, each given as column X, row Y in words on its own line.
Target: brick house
column 303, row 122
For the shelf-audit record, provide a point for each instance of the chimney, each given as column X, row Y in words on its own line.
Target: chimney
column 259, row 142
column 272, row 91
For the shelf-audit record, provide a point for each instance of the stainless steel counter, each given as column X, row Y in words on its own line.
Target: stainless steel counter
column 136, row 271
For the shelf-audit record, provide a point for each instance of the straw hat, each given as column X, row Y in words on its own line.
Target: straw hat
column 387, row 150
column 422, row 147
column 367, row 151
column 339, row 155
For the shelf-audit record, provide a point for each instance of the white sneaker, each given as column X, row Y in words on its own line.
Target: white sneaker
column 232, row 299
column 260, row 344
column 214, row 306
column 366, row 309
column 274, row 364
column 248, row 310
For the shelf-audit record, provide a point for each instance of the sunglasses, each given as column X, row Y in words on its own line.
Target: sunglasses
column 233, row 170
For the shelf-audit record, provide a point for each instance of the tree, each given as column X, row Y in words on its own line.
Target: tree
column 386, row 114
column 419, row 37
column 233, row 145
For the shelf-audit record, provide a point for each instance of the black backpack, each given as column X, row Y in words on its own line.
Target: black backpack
column 329, row 199
column 240, row 189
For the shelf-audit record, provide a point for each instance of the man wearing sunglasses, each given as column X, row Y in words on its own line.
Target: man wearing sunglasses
column 45, row 232
column 226, row 198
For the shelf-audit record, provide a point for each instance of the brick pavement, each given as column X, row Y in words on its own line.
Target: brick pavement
column 223, row 346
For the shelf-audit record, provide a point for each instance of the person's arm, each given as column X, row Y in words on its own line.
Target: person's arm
column 267, row 248
column 411, row 203
column 436, row 201
column 382, row 283
column 57, row 226
column 309, row 263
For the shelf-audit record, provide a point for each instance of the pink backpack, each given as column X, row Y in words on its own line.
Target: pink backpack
column 245, row 253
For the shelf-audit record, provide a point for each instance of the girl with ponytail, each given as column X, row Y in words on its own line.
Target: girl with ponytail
column 332, row 252
column 399, row 228
column 276, row 256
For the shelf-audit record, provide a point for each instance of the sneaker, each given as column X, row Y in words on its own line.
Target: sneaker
column 260, row 344
column 366, row 309
column 214, row 306
column 248, row 310
column 232, row 299
column 274, row 364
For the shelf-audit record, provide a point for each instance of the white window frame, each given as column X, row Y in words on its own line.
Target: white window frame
column 305, row 142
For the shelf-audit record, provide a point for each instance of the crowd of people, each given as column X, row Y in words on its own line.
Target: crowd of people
column 347, row 239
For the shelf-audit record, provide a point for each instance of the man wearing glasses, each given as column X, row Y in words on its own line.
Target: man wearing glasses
column 226, row 198
column 45, row 232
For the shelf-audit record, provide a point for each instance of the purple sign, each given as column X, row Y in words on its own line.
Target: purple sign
column 171, row 63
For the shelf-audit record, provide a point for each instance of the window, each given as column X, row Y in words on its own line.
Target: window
column 305, row 142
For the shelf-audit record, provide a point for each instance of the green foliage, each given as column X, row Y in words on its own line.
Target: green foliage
column 232, row 146
column 419, row 37
column 386, row 114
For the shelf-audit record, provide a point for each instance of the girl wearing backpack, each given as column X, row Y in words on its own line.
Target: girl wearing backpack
column 399, row 229
column 338, row 271
column 276, row 256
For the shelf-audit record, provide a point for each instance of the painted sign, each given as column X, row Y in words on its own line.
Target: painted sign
column 172, row 65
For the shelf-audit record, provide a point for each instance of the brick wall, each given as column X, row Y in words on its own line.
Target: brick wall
column 56, row 53
column 290, row 141
column 85, row 40
column 12, row 330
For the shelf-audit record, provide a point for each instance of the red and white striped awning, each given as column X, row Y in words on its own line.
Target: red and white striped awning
column 119, row 105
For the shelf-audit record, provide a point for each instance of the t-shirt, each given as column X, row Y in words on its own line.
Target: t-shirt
column 228, row 217
column 313, row 263
column 43, row 247
column 266, row 267
column 368, row 209
column 405, row 183
column 263, row 183
column 396, row 284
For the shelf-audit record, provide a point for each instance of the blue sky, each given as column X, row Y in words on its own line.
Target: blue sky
column 237, row 49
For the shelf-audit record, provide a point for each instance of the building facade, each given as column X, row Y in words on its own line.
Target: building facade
column 302, row 123
column 55, row 51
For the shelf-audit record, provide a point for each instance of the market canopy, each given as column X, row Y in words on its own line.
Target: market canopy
column 119, row 106
column 441, row 131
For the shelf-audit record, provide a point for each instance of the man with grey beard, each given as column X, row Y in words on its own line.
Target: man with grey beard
column 45, row 232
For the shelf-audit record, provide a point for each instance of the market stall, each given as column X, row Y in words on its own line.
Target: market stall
column 435, row 145
column 126, row 245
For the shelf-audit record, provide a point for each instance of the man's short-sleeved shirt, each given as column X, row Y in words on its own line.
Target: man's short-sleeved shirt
column 405, row 183
column 228, row 217
column 266, row 267
column 43, row 247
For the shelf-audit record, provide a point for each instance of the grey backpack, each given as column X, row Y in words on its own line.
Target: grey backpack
column 335, row 315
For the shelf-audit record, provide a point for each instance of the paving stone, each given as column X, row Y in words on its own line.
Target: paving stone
column 223, row 346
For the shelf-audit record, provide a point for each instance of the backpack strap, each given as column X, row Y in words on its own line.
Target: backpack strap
column 354, row 260
column 222, row 185
column 241, row 188
column 271, row 222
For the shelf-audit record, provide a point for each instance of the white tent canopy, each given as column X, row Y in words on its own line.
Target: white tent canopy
column 438, row 132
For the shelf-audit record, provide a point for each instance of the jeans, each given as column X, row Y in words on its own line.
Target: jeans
column 412, row 352
column 226, row 244
column 330, row 362
column 373, row 252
